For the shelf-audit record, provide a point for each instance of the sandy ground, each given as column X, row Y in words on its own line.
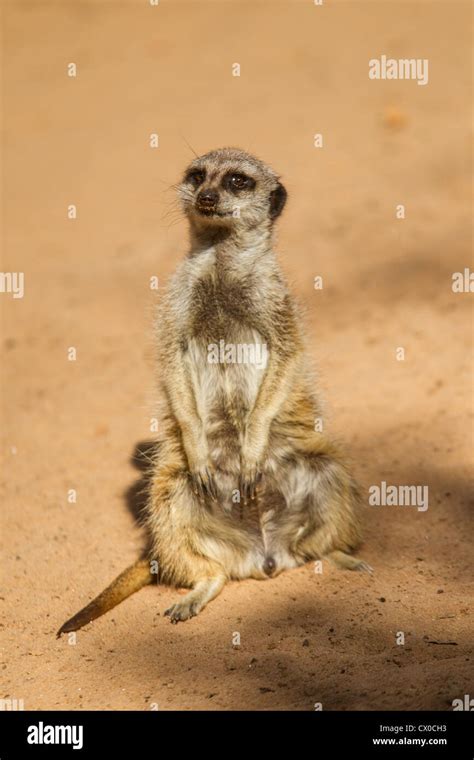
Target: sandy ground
column 305, row 637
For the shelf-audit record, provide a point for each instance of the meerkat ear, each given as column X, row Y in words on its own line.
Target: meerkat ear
column 278, row 198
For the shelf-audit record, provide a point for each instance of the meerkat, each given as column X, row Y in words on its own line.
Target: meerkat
column 242, row 485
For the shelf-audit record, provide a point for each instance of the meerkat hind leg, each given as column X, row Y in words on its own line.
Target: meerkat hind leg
column 349, row 562
column 323, row 499
column 202, row 593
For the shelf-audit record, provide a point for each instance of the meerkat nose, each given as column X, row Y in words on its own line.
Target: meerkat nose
column 207, row 198
column 269, row 566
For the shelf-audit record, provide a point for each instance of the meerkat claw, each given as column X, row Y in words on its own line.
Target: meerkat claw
column 249, row 485
column 203, row 484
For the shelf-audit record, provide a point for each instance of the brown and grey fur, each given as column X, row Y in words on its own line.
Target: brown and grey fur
column 235, row 430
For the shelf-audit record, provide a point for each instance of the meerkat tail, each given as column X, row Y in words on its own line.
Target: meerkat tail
column 132, row 579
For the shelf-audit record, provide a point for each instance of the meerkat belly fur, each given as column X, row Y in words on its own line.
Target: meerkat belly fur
column 242, row 486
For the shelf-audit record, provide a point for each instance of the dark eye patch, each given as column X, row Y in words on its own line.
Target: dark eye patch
column 235, row 182
column 196, row 177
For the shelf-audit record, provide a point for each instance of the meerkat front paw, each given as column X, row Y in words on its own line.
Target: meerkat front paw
column 203, row 482
column 251, row 458
column 250, row 477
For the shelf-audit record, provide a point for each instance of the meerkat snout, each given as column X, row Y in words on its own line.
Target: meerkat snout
column 207, row 201
column 232, row 188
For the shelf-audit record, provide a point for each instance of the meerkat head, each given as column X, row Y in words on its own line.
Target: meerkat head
column 230, row 188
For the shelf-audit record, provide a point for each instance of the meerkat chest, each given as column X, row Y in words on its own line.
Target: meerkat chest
column 226, row 352
column 227, row 372
column 221, row 306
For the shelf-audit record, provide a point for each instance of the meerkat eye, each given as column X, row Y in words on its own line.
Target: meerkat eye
column 239, row 181
column 196, row 177
column 236, row 182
